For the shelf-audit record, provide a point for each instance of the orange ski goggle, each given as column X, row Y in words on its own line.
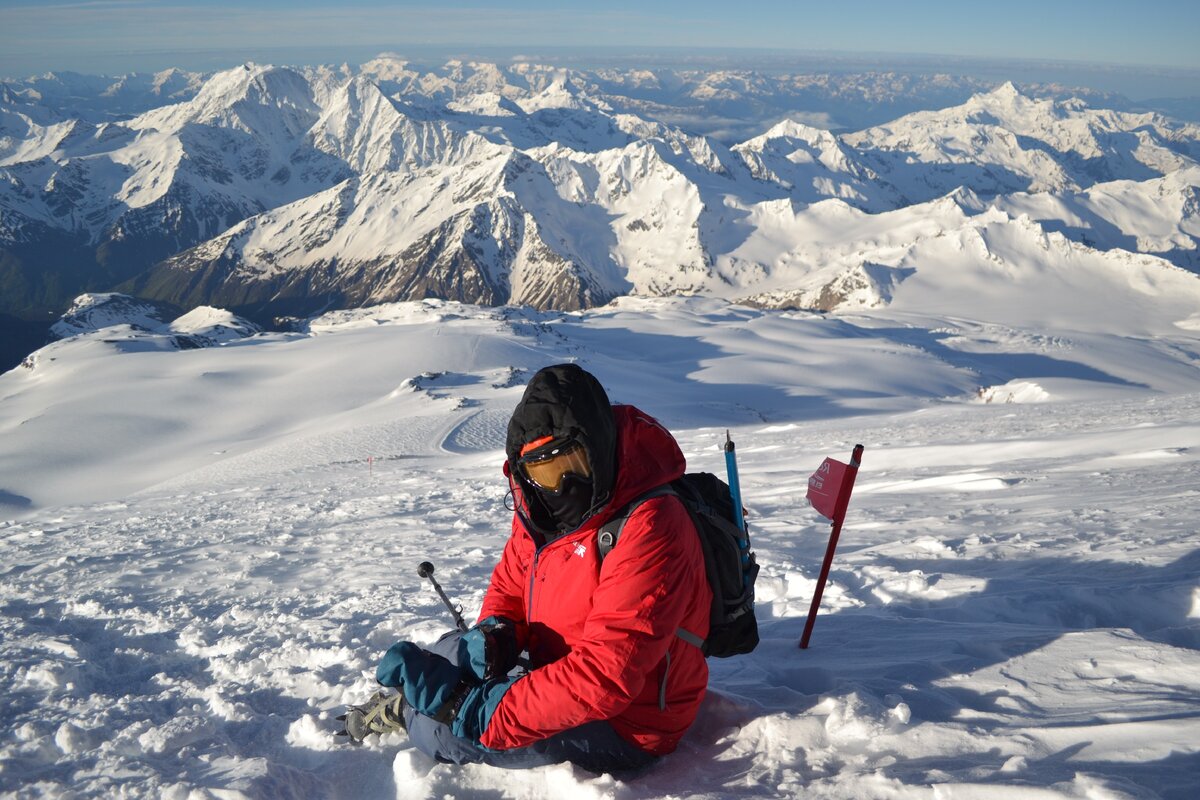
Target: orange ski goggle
column 547, row 467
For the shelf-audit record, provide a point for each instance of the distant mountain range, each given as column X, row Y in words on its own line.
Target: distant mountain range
column 275, row 192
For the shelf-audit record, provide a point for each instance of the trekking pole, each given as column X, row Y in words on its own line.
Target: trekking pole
column 849, row 473
column 425, row 570
column 735, row 486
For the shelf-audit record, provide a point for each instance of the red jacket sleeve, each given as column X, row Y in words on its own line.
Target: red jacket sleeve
column 646, row 586
column 506, row 593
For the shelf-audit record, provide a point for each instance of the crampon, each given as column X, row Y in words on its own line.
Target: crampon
column 383, row 713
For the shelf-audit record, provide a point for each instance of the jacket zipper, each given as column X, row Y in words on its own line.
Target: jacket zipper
column 537, row 553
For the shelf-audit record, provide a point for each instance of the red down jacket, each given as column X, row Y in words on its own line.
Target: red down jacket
column 601, row 636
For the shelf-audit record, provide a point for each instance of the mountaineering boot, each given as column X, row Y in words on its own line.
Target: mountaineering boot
column 383, row 713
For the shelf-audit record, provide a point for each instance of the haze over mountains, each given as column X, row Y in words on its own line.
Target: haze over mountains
column 273, row 191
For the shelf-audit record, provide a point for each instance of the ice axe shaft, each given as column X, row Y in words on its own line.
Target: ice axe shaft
column 735, row 484
column 425, row 570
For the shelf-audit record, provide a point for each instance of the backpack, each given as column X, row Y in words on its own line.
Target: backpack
column 728, row 560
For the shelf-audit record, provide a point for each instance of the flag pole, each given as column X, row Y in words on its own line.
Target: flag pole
column 839, row 515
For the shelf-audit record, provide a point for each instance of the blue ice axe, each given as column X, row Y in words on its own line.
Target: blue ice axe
column 735, row 486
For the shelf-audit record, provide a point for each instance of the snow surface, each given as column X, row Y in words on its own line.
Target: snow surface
column 204, row 552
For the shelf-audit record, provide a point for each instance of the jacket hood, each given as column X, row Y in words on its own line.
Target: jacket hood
column 629, row 451
column 565, row 401
column 647, row 456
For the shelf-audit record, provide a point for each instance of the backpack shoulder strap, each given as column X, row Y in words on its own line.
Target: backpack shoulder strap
column 606, row 540
column 610, row 532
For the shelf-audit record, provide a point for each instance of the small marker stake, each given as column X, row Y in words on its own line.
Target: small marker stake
column 829, row 491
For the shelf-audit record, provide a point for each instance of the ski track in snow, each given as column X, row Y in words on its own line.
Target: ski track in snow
column 1014, row 610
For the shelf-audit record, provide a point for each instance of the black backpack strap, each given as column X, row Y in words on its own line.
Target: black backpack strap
column 610, row 532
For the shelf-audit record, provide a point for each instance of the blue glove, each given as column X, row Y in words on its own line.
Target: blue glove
column 489, row 650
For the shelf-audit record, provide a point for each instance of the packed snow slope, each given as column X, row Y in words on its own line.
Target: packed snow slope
column 205, row 549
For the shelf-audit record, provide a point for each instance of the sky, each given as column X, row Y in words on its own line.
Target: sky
column 118, row 36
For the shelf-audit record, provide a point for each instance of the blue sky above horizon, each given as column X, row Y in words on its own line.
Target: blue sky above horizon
column 117, row 36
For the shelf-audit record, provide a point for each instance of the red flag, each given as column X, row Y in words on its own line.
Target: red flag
column 824, row 485
column 829, row 492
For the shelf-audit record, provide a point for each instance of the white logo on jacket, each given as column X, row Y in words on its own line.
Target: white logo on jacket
column 581, row 549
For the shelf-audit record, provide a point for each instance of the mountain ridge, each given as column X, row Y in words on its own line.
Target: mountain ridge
column 279, row 191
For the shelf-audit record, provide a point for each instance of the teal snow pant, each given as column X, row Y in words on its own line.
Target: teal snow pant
column 594, row 746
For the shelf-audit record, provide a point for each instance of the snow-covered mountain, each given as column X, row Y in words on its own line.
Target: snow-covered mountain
column 1004, row 141
column 139, row 325
column 85, row 206
column 462, row 233
column 1160, row 216
column 96, row 98
column 275, row 191
column 92, row 312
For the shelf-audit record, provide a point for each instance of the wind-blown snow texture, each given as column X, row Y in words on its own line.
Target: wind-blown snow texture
column 207, row 550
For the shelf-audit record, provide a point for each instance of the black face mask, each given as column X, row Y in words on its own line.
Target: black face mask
column 568, row 506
